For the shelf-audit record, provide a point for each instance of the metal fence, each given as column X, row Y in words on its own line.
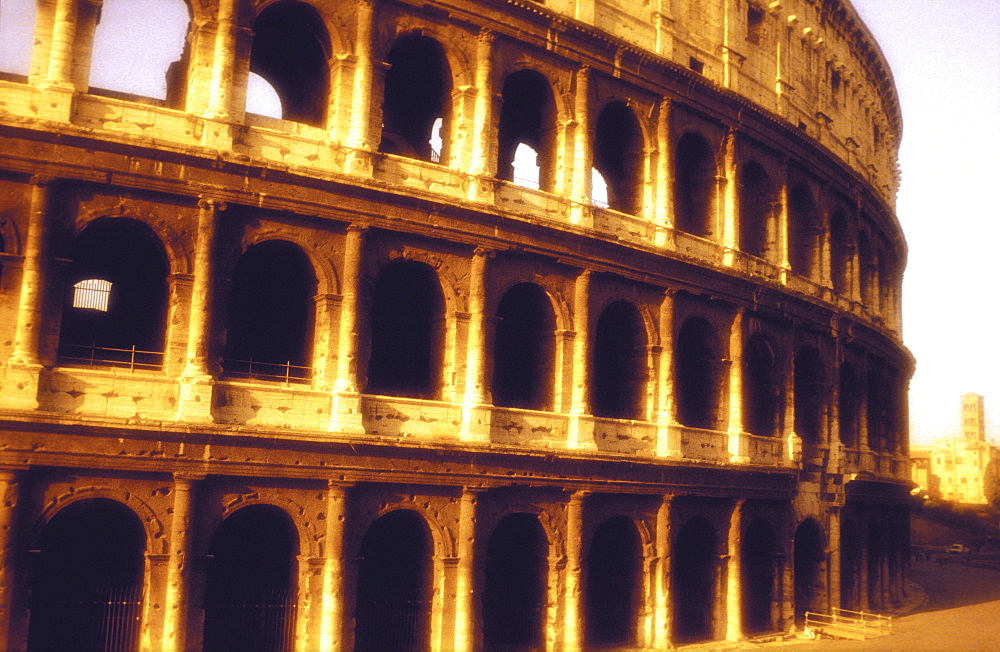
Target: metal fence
column 103, row 618
column 265, row 623
column 91, row 355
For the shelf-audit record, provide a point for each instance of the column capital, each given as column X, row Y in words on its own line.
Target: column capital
column 206, row 202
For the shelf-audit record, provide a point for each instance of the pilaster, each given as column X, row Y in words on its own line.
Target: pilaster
column 475, row 414
column 581, row 425
column 668, row 442
column 345, row 412
column 9, row 493
column 331, row 625
column 734, row 576
column 572, row 612
column 737, row 441
column 179, row 564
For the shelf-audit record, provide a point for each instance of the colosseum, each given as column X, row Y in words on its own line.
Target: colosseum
column 520, row 326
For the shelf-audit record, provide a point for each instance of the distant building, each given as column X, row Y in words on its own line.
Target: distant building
column 960, row 468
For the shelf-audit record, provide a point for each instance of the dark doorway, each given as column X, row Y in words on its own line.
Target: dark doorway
column 757, row 201
column 271, row 307
column 810, row 402
column 250, row 591
column 696, row 363
column 851, row 546
column 761, row 390
column 810, row 559
column 758, row 566
column 619, row 363
column 694, row 184
column 394, row 584
column 614, row 583
column 87, row 590
column 524, row 349
column 515, row 585
column 693, row 581
column 407, row 332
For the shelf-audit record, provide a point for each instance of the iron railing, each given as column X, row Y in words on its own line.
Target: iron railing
column 251, row 369
column 91, row 355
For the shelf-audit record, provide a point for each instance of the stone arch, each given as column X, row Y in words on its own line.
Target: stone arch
column 619, row 370
column 760, row 574
column 809, row 563
column 757, row 196
column 613, row 584
column 323, row 267
column 694, row 574
column 156, row 541
column 619, row 156
column 805, row 231
column 841, row 252
column 850, row 393
column 176, row 245
column 524, row 349
column 695, row 172
column 529, row 116
column 697, row 372
column 761, row 387
column 810, row 386
column 306, row 531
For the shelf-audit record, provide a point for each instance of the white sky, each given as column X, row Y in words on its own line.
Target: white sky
column 945, row 57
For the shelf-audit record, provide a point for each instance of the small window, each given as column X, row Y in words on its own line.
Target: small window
column 696, row 65
column 92, row 293
column 755, row 23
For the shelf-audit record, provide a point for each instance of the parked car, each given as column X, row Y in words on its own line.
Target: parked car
column 958, row 549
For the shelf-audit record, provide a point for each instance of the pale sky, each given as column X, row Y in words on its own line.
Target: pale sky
column 945, row 57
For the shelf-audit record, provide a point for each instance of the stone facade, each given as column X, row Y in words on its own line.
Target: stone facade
column 314, row 383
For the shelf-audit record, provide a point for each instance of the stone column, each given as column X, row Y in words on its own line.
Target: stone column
column 59, row 72
column 345, row 413
column 793, row 443
column 179, row 564
column 220, row 98
column 195, row 400
column 581, row 164
column 20, row 391
column 9, row 486
column 833, row 560
column 475, row 414
column 581, row 425
column 663, row 173
column 734, row 578
column 668, row 441
column 331, row 625
column 465, row 581
column 783, row 262
column 660, row 579
column 729, row 204
column 738, row 453
column 359, row 134
column 483, row 130
column 572, row 612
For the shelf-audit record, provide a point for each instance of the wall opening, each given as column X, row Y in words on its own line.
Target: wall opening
column 761, row 388
column 417, row 88
column 849, row 404
column 757, row 201
column 125, row 327
column 809, row 560
column 696, row 370
column 270, row 319
column 514, row 595
column 149, row 36
column 804, row 232
column 693, row 576
column 841, row 254
column 851, row 545
column 613, row 585
column 523, row 354
column 758, row 566
column 810, row 401
column 527, row 116
column 694, row 185
column 877, row 568
column 407, row 332
column 290, row 51
column 250, row 585
column 618, row 152
column 877, row 408
column 87, row 586
column 394, row 584
column 618, row 363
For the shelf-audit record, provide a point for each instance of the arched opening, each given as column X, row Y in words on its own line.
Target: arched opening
column 758, row 565
column 407, row 332
column 116, row 307
column 262, row 98
column 757, row 199
column 694, row 184
column 876, row 403
column 804, row 232
column 87, row 587
column 394, row 584
column 17, row 27
column 614, row 585
column 524, row 349
column 515, row 581
column 696, row 363
column 841, row 253
column 810, row 401
column 692, row 581
column 291, row 48
column 151, row 35
column 619, row 363
column 270, row 319
column 877, row 567
column 849, row 404
column 527, row 116
column 250, row 585
column 761, row 388
column 417, row 88
column 868, row 262
column 618, row 156
column 809, row 560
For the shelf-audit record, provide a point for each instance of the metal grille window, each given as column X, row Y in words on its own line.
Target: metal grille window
column 92, row 293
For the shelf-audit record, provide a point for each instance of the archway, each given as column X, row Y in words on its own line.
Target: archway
column 524, row 349
column 810, row 561
column 527, row 116
column 87, row 589
column 761, row 389
column 392, row 611
column 613, row 585
column 756, row 196
column 758, row 565
column 694, row 184
column 618, row 156
column 619, row 363
column 514, row 595
column 250, row 587
column 693, row 581
column 696, row 363
column 810, row 402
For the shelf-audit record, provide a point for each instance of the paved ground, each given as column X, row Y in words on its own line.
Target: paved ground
column 961, row 613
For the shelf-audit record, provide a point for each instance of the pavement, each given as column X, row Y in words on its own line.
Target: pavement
column 951, row 607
